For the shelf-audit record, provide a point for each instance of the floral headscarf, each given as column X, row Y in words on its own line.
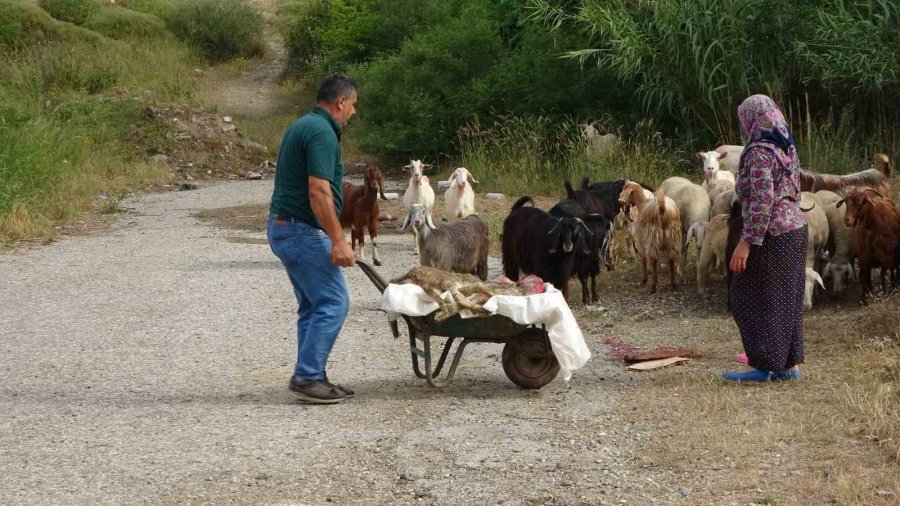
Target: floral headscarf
column 763, row 122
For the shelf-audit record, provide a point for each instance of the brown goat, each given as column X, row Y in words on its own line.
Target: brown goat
column 361, row 211
column 879, row 180
column 876, row 234
column 657, row 231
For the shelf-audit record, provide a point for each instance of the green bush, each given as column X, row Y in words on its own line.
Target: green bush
column 219, row 29
column 413, row 102
column 73, row 11
column 121, row 24
column 22, row 24
column 158, row 8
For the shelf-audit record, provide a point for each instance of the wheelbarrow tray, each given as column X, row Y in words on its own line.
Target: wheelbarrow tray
column 528, row 359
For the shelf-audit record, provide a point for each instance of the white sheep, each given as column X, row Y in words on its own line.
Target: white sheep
column 717, row 187
column 817, row 221
column 419, row 190
column 713, row 251
column 693, row 206
column 722, row 204
column 839, row 262
column 729, row 157
column 459, row 199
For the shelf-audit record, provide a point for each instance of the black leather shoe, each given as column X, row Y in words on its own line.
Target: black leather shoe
column 349, row 393
column 316, row 392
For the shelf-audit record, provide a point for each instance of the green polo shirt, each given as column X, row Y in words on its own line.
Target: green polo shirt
column 310, row 147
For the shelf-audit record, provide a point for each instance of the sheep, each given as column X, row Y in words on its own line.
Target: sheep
column 817, row 223
column 587, row 261
column 658, row 231
column 839, row 264
column 458, row 247
column 712, row 168
column 721, row 204
column 713, row 251
column 533, row 242
column 459, row 199
column 418, row 191
column 360, row 211
column 879, row 180
column 717, row 187
column 876, row 234
column 692, row 203
column 729, row 157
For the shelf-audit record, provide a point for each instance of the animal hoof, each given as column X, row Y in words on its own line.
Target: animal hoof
column 377, row 263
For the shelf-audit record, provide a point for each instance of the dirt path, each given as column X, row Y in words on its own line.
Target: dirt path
column 255, row 91
column 149, row 365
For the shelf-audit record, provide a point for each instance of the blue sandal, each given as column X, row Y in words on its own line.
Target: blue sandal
column 754, row 375
column 786, row 375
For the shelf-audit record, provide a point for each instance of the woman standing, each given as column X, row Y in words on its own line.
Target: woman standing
column 769, row 262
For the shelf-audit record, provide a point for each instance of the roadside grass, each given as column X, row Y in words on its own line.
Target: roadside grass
column 73, row 124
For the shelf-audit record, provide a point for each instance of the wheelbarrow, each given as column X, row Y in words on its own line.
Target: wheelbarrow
column 528, row 359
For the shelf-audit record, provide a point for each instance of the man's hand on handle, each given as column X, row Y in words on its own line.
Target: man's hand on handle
column 342, row 253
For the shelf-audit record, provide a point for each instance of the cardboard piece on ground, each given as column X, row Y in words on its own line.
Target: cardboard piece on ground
column 656, row 364
column 659, row 353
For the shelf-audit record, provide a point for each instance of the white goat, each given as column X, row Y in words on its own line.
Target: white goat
column 712, row 167
column 419, row 190
column 839, row 261
column 459, row 199
column 597, row 144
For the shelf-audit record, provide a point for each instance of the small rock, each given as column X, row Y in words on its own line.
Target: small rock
column 159, row 159
column 684, row 492
column 392, row 195
column 228, row 119
column 494, row 196
column 188, row 186
column 883, row 493
column 254, row 176
column 443, row 185
column 228, row 127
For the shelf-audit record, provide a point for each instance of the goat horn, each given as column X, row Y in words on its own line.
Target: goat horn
column 873, row 190
column 558, row 221
column 582, row 225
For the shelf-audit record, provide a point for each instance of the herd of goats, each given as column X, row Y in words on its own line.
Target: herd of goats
column 852, row 221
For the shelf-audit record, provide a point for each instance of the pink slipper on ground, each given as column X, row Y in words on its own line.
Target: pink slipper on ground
column 740, row 358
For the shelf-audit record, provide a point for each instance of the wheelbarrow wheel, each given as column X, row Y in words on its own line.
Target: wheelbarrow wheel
column 528, row 359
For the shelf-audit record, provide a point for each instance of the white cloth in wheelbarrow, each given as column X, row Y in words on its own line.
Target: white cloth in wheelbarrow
column 548, row 308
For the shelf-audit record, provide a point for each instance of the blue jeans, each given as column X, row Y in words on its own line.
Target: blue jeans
column 320, row 288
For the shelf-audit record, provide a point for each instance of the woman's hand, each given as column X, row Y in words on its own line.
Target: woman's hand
column 739, row 257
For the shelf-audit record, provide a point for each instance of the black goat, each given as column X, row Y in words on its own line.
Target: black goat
column 533, row 242
column 587, row 260
column 607, row 192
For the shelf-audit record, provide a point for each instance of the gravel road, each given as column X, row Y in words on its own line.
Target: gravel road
column 149, row 364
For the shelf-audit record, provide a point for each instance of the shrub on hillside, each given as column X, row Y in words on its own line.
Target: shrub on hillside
column 413, row 102
column 219, row 29
column 125, row 24
column 73, row 11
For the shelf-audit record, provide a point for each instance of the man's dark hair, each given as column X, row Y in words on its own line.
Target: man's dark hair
column 334, row 87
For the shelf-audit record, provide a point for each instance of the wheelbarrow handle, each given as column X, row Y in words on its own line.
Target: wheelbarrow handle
column 373, row 276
